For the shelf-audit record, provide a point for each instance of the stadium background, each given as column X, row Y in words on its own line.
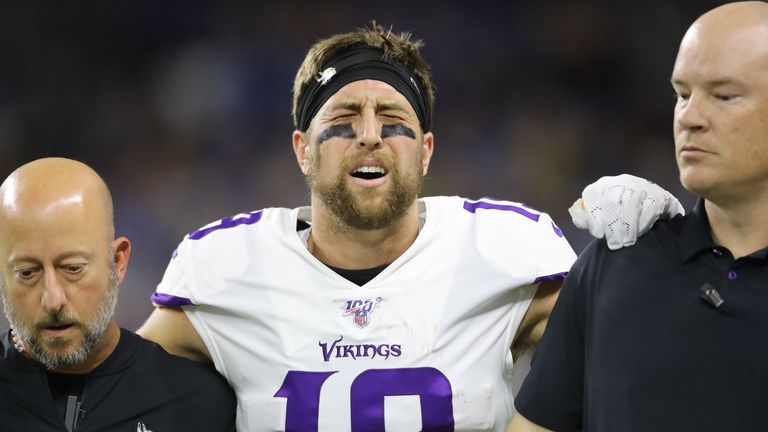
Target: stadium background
column 184, row 107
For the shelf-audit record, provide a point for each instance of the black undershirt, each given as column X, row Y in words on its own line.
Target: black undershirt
column 358, row 277
column 62, row 386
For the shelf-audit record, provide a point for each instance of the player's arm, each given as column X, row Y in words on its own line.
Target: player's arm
column 535, row 320
column 170, row 327
column 522, row 424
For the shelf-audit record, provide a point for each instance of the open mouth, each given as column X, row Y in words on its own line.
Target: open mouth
column 57, row 328
column 369, row 172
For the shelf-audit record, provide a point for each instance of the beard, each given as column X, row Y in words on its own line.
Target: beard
column 364, row 210
column 93, row 331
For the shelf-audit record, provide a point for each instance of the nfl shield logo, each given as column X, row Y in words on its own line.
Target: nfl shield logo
column 362, row 309
column 361, row 319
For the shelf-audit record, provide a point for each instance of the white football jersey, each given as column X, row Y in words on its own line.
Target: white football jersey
column 423, row 346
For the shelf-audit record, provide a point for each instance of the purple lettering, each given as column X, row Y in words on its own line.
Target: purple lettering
column 367, row 392
column 357, row 351
column 432, row 387
column 348, row 351
column 369, row 348
column 395, row 350
column 302, row 391
column 326, row 351
column 383, row 350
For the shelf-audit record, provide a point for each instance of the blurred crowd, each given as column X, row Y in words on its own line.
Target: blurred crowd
column 184, row 106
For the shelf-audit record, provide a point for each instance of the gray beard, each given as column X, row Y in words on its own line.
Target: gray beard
column 94, row 331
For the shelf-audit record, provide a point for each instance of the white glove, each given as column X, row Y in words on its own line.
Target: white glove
column 622, row 208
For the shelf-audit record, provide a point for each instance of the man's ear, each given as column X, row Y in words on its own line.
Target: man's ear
column 428, row 146
column 122, row 248
column 302, row 150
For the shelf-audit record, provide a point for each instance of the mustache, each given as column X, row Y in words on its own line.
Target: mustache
column 60, row 318
column 384, row 160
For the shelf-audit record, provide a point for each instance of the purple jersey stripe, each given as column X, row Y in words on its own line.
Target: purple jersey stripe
column 170, row 300
column 226, row 223
column 557, row 229
column 552, row 277
column 473, row 206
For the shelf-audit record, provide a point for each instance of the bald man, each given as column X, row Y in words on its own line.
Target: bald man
column 681, row 344
column 64, row 363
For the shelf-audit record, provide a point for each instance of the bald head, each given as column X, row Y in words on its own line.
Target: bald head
column 735, row 13
column 732, row 26
column 41, row 188
column 721, row 79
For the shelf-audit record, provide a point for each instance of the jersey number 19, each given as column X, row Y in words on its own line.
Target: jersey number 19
column 302, row 391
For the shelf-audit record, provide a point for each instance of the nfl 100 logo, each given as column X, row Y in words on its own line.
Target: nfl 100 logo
column 361, row 308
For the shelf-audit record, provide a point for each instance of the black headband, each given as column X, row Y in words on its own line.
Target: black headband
column 357, row 63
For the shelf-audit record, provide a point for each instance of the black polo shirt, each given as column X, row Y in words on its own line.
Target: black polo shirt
column 633, row 345
column 139, row 387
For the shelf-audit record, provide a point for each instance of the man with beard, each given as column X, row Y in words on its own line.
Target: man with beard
column 64, row 363
column 371, row 309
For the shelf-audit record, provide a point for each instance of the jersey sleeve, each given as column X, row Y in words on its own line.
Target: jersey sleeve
column 201, row 260
column 555, row 254
column 552, row 394
column 520, row 240
column 174, row 289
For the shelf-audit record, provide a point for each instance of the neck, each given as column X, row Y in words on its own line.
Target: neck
column 739, row 226
column 344, row 247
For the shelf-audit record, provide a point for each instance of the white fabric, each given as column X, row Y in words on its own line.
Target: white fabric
column 451, row 303
column 622, row 208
